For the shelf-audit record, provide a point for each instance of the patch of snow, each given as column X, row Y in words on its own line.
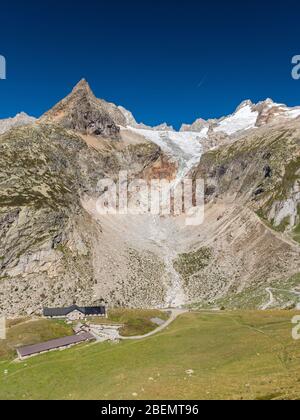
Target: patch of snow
column 293, row 113
column 244, row 119
column 19, row 120
column 283, row 210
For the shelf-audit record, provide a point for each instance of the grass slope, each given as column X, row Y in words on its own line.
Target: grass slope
column 25, row 332
column 248, row 355
column 136, row 321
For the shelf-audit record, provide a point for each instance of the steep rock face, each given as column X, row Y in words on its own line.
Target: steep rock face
column 260, row 168
column 130, row 120
column 235, row 255
column 83, row 112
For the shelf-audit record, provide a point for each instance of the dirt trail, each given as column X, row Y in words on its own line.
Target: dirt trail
column 271, row 301
column 279, row 235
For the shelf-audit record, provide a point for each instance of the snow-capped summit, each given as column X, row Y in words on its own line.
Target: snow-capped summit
column 19, row 120
column 270, row 112
column 246, row 116
column 244, row 104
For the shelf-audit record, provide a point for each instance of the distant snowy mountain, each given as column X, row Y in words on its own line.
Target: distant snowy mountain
column 188, row 145
column 18, row 121
column 247, row 116
column 244, row 118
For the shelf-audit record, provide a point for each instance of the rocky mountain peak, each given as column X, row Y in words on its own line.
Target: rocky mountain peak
column 196, row 127
column 83, row 112
column 82, row 85
column 244, row 104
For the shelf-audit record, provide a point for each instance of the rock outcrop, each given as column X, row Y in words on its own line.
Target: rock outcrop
column 196, row 127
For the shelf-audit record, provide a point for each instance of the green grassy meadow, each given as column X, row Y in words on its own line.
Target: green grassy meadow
column 228, row 355
column 22, row 332
column 136, row 321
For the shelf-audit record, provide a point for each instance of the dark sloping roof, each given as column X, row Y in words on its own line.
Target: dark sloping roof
column 56, row 312
column 59, row 311
column 54, row 344
column 94, row 310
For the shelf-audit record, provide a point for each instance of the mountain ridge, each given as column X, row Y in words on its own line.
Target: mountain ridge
column 56, row 248
column 266, row 112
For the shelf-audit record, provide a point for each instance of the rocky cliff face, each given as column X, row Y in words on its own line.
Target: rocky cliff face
column 251, row 189
column 55, row 247
column 83, row 112
column 260, row 169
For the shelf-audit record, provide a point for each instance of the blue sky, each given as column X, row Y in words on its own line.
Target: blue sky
column 163, row 60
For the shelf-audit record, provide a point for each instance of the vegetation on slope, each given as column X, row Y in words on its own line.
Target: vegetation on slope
column 286, row 294
column 136, row 322
column 191, row 263
column 247, row 355
column 260, row 169
column 26, row 332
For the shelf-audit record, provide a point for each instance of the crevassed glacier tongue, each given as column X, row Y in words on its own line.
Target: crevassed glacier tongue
column 184, row 147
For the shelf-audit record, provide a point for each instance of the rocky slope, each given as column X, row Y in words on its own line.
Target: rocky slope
column 55, row 247
column 252, row 189
column 50, row 245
